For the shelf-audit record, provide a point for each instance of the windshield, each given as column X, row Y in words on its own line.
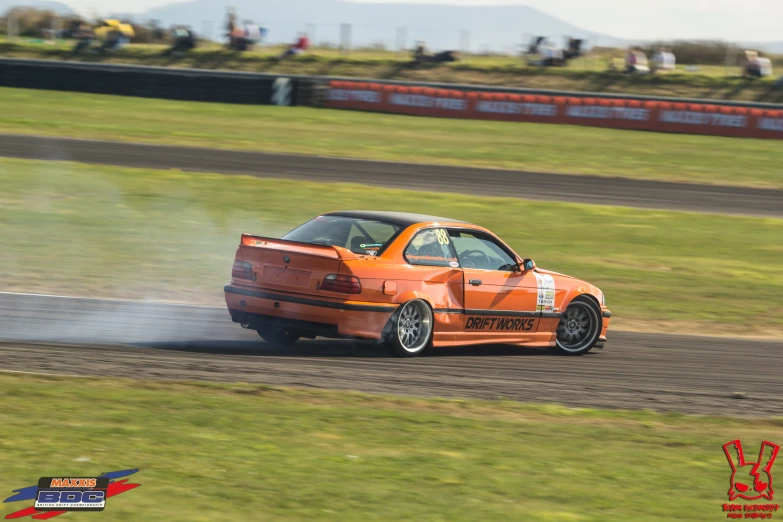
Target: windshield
column 360, row 236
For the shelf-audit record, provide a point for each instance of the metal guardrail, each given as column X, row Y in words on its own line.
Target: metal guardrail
column 299, row 80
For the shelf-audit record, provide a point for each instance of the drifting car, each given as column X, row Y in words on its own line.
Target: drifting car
column 411, row 281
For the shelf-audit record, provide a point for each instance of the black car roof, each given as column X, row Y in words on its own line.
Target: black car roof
column 404, row 219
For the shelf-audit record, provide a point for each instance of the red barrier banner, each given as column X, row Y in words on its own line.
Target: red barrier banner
column 660, row 116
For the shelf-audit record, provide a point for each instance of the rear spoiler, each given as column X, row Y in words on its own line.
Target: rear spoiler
column 270, row 243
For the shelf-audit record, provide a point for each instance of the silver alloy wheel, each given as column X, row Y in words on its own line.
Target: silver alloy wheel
column 414, row 326
column 578, row 329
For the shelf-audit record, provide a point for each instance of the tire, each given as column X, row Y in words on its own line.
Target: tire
column 411, row 329
column 279, row 335
column 579, row 328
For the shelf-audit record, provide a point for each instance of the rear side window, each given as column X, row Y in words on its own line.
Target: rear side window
column 431, row 247
column 360, row 236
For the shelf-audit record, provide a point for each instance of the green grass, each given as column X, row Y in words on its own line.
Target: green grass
column 241, row 452
column 538, row 147
column 167, row 235
column 589, row 73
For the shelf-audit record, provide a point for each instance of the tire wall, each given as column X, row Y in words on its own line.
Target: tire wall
column 155, row 82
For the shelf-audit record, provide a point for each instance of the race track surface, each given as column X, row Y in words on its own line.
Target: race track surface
column 161, row 341
column 489, row 182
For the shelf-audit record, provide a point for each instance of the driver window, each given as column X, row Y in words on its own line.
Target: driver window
column 480, row 251
column 431, row 247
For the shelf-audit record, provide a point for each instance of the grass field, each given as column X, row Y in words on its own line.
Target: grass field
column 242, row 452
column 166, row 235
column 584, row 74
column 538, row 147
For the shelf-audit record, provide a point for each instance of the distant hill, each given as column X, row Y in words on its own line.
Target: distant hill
column 770, row 47
column 57, row 7
column 491, row 27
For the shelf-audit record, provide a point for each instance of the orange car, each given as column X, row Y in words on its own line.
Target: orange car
column 411, row 281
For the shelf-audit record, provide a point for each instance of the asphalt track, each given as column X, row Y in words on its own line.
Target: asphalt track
column 488, row 182
column 105, row 338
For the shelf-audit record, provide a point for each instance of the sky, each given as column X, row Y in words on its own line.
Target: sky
column 735, row 20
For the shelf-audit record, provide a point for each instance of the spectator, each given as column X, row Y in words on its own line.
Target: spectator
column 664, row 60
column 550, row 55
column 84, row 36
column 157, row 32
column 301, row 46
column 765, row 64
column 420, row 56
column 757, row 65
column 184, row 40
column 420, row 52
column 114, row 34
column 231, row 22
column 252, row 33
column 574, row 49
column 752, row 65
column 636, row 62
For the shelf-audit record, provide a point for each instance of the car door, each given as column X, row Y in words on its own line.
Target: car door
column 434, row 267
column 500, row 301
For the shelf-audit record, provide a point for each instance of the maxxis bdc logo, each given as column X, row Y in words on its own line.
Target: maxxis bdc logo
column 55, row 496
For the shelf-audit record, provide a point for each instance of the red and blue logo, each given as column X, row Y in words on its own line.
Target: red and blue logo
column 54, row 496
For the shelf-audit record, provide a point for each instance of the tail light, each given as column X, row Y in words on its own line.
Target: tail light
column 242, row 270
column 341, row 283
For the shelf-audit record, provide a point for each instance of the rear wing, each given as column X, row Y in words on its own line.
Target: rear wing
column 283, row 245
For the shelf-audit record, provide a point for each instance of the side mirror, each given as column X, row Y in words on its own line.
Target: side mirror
column 528, row 265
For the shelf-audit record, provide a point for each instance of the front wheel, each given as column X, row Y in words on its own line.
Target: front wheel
column 411, row 329
column 579, row 328
column 279, row 335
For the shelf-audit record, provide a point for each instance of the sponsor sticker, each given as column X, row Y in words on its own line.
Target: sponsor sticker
column 442, row 259
column 353, row 95
column 703, row 118
column 419, row 100
column 528, row 109
column 771, row 124
column 546, row 293
column 607, row 113
column 500, row 324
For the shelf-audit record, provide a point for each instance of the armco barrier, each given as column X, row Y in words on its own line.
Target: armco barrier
column 153, row 82
column 650, row 115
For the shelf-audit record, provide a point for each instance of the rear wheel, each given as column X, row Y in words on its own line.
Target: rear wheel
column 579, row 328
column 412, row 329
column 279, row 335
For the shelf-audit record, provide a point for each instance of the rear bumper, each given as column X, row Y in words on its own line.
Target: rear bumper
column 308, row 328
column 323, row 317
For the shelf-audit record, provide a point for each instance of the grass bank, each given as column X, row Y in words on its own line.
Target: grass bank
column 242, row 452
column 166, row 235
column 537, row 147
column 588, row 74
